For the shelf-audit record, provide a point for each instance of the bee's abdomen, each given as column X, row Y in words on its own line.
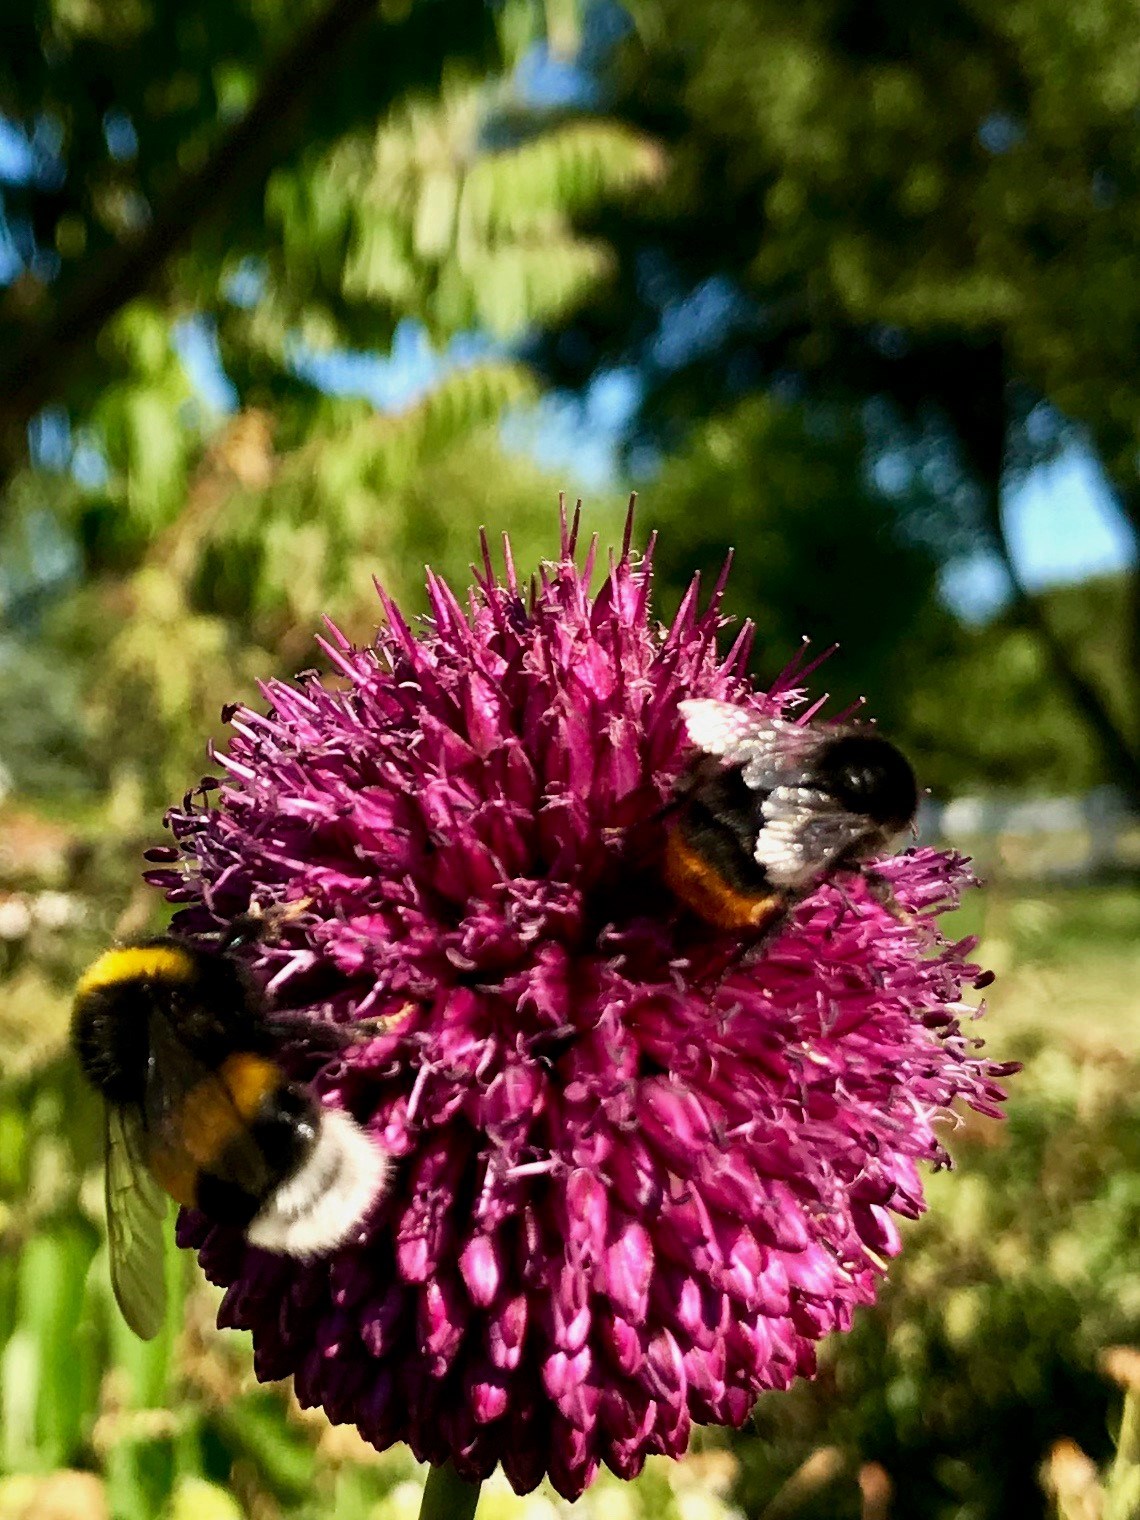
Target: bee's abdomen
column 235, row 1138
column 708, row 870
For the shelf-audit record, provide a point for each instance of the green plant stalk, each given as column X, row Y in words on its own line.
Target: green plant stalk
column 447, row 1496
column 1122, row 1490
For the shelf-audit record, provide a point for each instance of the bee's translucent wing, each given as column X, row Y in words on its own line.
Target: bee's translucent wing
column 771, row 751
column 806, row 834
column 716, row 728
column 136, row 1212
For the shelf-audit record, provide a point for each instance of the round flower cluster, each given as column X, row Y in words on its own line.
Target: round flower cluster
column 641, row 1168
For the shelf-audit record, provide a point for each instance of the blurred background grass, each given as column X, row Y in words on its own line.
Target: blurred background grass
column 295, row 295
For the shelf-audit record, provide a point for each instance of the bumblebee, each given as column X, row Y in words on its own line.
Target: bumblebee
column 177, row 1040
column 768, row 808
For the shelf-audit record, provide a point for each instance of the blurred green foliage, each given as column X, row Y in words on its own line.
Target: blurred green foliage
column 769, row 221
column 984, row 1350
column 769, row 478
column 996, row 716
column 158, row 557
column 820, row 549
column 926, row 214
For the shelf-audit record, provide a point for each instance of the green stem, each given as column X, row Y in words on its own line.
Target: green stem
column 447, row 1496
column 1122, row 1490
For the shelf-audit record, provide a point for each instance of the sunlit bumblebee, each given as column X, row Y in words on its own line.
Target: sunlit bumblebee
column 177, row 1040
column 768, row 808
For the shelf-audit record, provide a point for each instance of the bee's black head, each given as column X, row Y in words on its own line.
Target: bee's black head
column 868, row 775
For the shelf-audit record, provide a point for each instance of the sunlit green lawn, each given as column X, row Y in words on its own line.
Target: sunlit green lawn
column 1067, row 960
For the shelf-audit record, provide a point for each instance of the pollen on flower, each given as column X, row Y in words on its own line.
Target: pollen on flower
column 638, row 1175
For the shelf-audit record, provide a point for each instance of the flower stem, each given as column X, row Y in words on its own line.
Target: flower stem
column 447, row 1496
column 1122, row 1490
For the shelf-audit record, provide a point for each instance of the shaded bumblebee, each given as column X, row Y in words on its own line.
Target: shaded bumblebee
column 768, row 808
column 176, row 1039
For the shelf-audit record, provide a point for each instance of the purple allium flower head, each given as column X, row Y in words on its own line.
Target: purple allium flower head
column 638, row 1174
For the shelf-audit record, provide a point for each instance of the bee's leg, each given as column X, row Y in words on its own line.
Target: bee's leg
column 774, row 923
column 752, row 944
column 319, row 1037
column 880, row 888
column 381, row 1023
column 847, row 905
column 259, row 924
column 322, row 1035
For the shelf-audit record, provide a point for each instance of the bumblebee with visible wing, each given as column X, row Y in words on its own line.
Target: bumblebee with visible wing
column 768, row 808
column 177, row 1040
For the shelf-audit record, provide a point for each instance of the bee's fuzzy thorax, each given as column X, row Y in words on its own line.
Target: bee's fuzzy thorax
column 153, row 960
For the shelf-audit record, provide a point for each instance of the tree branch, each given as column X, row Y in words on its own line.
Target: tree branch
column 1119, row 751
column 981, row 420
column 41, row 360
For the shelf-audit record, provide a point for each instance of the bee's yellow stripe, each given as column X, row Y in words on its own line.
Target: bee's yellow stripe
column 691, row 878
column 136, row 963
column 210, row 1117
